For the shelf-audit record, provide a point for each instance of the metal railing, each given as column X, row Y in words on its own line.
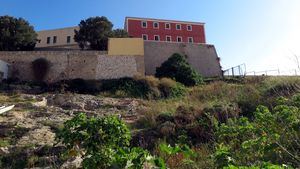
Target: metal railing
column 236, row 71
column 275, row 72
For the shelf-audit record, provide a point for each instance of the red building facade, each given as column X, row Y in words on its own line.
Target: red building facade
column 165, row 30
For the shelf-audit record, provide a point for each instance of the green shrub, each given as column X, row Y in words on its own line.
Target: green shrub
column 102, row 142
column 177, row 156
column 177, row 67
column 40, row 68
column 130, row 87
column 147, row 87
column 171, row 89
column 272, row 135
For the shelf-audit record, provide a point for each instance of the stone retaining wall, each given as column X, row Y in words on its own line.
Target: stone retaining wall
column 74, row 64
column 202, row 57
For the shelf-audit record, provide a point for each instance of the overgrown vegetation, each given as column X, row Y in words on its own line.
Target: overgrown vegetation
column 103, row 143
column 147, row 87
column 245, row 123
column 177, row 68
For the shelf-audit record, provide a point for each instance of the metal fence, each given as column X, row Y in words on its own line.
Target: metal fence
column 236, row 71
column 240, row 71
column 275, row 72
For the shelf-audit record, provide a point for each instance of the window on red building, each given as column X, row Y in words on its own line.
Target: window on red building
column 167, row 26
column 189, row 28
column 155, row 25
column 156, row 37
column 145, row 37
column 168, row 38
column 144, row 24
column 179, row 39
column 190, row 39
column 178, row 27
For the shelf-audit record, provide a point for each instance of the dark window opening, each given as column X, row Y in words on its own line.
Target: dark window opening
column 145, row 37
column 144, row 24
column 168, row 38
column 68, row 39
column 48, row 40
column 168, row 26
column 54, row 39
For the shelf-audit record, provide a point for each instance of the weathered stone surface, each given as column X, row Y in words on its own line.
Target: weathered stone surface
column 90, row 65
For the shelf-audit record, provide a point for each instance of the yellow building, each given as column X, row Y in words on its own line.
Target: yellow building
column 126, row 46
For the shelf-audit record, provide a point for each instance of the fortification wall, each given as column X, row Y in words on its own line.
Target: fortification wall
column 74, row 64
column 202, row 57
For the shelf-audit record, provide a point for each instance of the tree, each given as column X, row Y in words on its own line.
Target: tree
column 119, row 33
column 16, row 34
column 94, row 33
column 178, row 68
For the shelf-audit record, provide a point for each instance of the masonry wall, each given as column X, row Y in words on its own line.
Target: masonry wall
column 202, row 57
column 74, row 64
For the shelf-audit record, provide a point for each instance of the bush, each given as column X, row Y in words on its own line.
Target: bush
column 177, row 67
column 147, row 87
column 272, row 135
column 40, row 68
column 102, row 142
column 170, row 89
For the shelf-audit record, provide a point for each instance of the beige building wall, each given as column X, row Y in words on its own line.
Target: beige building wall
column 61, row 38
column 126, row 46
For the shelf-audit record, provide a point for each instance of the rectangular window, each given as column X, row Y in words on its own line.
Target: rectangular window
column 156, row 37
column 168, row 38
column 68, row 39
column 156, row 25
column 179, row 39
column 144, row 24
column 145, row 37
column 189, row 27
column 167, row 26
column 48, row 40
column 54, row 39
column 178, row 27
column 190, row 39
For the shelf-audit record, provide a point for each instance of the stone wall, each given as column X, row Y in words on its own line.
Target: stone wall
column 74, row 64
column 202, row 57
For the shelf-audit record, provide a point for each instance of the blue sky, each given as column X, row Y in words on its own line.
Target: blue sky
column 264, row 34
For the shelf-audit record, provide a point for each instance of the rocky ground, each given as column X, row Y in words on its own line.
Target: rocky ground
column 27, row 133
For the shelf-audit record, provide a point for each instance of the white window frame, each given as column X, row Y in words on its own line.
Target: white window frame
column 168, row 37
column 177, row 27
column 187, row 27
column 156, row 36
column 142, row 24
column 157, row 25
column 189, row 40
column 145, row 36
column 180, row 38
column 169, row 26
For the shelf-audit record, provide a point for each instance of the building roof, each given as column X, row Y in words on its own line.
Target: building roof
column 164, row 20
column 57, row 29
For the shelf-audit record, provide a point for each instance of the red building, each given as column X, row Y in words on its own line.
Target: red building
column 165, row 30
